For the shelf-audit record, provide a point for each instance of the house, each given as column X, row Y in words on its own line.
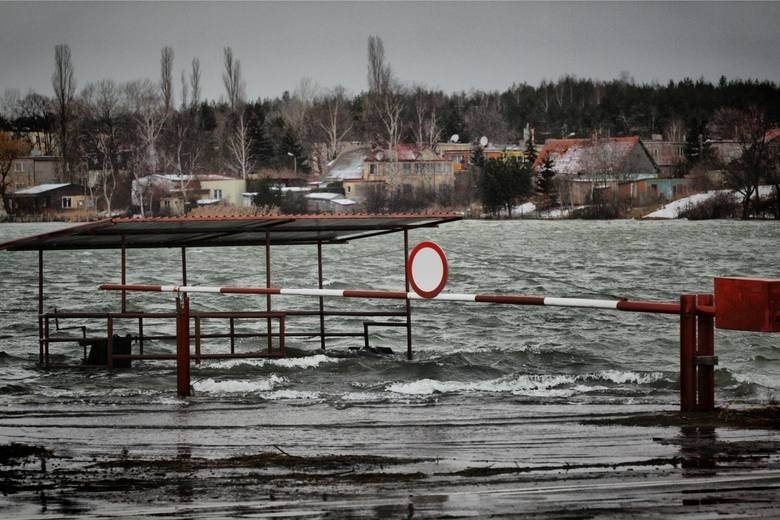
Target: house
column 600, row 169
column 406, row 166
column 324, row 202
column 459, row 154
column 34, row 170
column 49, row 198
column 171, row 194
column 669, row 156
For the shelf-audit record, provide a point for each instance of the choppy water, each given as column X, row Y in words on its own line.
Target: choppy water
column 476, row 366
column 462, row 351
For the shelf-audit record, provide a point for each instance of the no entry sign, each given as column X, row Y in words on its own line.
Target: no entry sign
column 427, row 269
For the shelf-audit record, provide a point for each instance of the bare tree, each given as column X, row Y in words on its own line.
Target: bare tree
column 334, row 120
column 64, row 85
column 240, row 148
column 296, row 110
column 185, row 92
column 195, row 81
column 106, row 115
column 232, row 79
column 379, row 72
column 755, row 164
column 390, row 107
column 166, row 77
column 149, row 117
column 426, row 129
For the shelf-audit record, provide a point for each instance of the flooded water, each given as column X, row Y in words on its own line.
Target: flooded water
column 489, row 385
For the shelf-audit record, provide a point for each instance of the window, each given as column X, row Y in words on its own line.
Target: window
column 18, row 166
column 67, row 202
column 217, row 194
column 167, row 203
column 372, row 169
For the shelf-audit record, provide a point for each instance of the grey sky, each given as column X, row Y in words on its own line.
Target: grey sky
column 452, row 46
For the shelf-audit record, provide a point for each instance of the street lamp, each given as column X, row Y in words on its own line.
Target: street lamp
column 295, row 162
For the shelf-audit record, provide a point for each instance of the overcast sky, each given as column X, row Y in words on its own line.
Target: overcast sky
column 452, row 46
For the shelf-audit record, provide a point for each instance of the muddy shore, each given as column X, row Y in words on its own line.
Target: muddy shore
column 647, row 465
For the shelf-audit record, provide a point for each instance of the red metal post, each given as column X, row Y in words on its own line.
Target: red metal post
column 124, row 273
column 408, row 302
column 232, row 335
column 184, row 266
column 110, row 343
column 706, row 347
column 197, row 340
column 40, row 307
column 269, row 337
column 322, row 300
column 281, row 335
column 687, row 352
column 182, row 346
column 141, row 336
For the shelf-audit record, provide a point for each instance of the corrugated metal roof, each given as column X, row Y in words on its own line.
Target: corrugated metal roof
column 166, row 232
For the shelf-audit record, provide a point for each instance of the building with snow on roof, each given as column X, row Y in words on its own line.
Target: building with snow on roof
column 406, row 167
column 599, row 170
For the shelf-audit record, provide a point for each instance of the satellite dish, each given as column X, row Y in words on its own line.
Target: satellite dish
column 380, row 156
column 455, row 138
column 483, row 141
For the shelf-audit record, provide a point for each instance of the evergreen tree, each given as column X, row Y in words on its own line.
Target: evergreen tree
column 544, row 182
column 291, row 145
column 697, row 143
column 503, row 182
column 261, row 147
column 530, row 150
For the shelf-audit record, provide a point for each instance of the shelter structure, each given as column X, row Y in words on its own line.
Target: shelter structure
column 183, row 233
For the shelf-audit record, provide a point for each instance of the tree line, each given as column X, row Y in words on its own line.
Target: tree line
column 128, row 130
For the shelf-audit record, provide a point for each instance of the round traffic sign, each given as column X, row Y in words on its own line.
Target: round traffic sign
column 427, row 269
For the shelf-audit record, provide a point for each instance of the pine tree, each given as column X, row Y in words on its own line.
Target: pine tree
column 262, row 149
column 544, row 182
column 291, row 145
column 530, row 150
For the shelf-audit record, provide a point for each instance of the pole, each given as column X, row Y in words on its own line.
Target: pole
column 40, row 307
column 408, row 302
column 124, row 272
column 269, row 337
column 706, row 348
column 184, row 265
column 322, row 300
column 687, row 353
column 182, row 346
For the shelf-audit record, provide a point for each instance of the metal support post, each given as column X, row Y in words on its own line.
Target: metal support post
column 322, row 300
column 124, row 272
column 40, row 307
column 408, row 302
column 687, row 352
column 184, row 266
column 705, row 352
column 110, row 343
column 269, row 337
column 183, row 346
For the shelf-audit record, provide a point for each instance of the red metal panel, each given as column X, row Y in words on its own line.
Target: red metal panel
column 748, row 304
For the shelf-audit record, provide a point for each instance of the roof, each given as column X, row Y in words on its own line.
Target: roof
column 348, row 165
column 404, row 153
column 37, row 190
column 175, row 232
column 610, row 155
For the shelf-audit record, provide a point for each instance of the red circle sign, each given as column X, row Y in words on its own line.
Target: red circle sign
column 427, row 269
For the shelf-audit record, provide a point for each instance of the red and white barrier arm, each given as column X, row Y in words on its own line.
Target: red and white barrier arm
column 620, row 305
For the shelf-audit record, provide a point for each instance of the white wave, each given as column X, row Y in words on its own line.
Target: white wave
column 530, row 385
column 639, row 378
column 299, row 362
column 362, row 396
column 765, row 380
column 291, row 394
column 522, row 384
column 234, row 386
